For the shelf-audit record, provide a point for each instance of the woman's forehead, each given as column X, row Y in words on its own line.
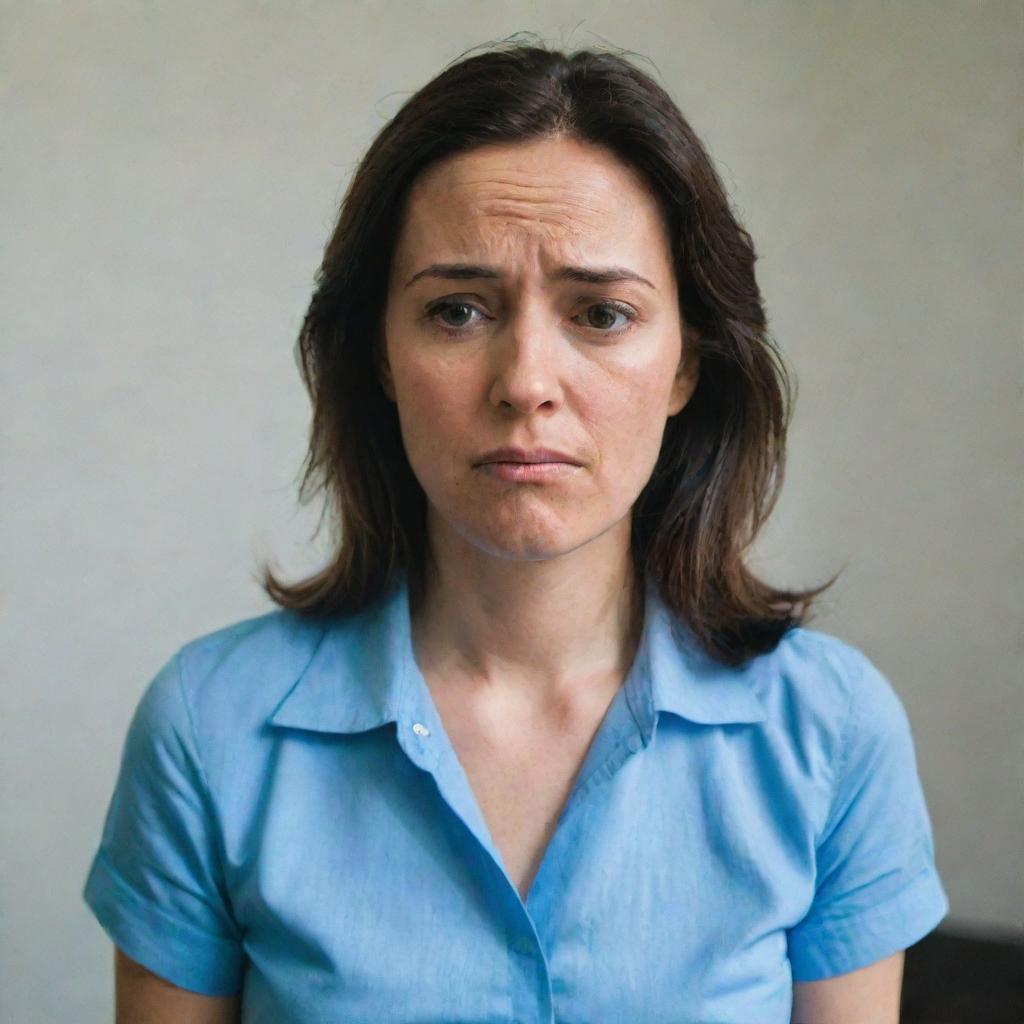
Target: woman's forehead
column 550, row 202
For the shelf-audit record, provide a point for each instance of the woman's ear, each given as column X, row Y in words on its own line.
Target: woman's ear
column 687, row 373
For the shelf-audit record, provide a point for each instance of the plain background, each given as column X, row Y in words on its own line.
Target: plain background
column 170, row 174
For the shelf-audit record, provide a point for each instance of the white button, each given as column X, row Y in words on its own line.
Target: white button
column 420, row 729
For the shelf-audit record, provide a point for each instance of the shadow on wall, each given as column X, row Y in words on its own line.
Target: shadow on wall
column 954, row 976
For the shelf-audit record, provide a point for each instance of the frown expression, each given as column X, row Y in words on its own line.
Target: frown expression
column 491, row 341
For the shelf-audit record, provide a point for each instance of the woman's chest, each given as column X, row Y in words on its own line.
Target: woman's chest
column 651, row 885
column 521, row 775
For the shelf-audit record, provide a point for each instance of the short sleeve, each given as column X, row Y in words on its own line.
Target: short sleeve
column 877, row 890
column 155, row 884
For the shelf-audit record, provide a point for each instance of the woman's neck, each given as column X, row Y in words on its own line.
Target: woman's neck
column 534, row 632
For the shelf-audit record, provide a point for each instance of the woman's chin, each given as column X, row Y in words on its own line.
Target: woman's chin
column 524, row 545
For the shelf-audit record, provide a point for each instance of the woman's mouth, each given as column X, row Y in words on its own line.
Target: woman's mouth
column 528, row 472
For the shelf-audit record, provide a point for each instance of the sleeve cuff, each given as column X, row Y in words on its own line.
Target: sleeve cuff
column 828, row 946
column 182, row 954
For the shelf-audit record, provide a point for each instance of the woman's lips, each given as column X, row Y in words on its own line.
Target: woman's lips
column 528, row 472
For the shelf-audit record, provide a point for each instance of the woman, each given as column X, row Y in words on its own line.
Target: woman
column 535, row 745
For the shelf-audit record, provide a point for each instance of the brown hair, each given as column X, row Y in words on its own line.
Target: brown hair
column 720, row 468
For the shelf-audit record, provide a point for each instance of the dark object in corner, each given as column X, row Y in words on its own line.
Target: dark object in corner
column 954, row 976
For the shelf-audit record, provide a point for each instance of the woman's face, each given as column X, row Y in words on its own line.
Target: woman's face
column 532, row 303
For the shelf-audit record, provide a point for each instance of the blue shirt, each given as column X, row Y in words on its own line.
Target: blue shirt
column 291, row 822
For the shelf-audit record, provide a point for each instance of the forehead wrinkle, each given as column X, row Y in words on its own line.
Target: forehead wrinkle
column 552, row 222
column 491, row 193
column 493, row 182
column 501, row 228
column 502, row 219
column 484, row 223
column 501, row 243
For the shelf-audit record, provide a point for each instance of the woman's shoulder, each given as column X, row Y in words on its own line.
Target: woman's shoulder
column 820, row 661
column 259, row 648
column 829, row 685
column 225, row 683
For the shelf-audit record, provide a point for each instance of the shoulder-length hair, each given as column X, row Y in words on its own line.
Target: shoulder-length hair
column 720, row 468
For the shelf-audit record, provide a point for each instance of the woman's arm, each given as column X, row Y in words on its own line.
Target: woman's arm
column 868, row 996
column 143, row 997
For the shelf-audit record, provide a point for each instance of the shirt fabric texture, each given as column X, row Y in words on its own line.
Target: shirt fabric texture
column 291, row 823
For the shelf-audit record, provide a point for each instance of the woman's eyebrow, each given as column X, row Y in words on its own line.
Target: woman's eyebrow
column 587, row 275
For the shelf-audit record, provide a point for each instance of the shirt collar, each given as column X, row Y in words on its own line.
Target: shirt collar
column 688, row 682
column 356, row 678
column 362, row 673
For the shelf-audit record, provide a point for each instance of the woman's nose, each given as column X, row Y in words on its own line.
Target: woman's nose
column 526, row 364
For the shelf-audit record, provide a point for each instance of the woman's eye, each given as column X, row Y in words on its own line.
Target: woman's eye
column 457, row 313
column 605, row 319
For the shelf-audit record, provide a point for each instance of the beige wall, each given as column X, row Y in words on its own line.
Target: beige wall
column 170, row 172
